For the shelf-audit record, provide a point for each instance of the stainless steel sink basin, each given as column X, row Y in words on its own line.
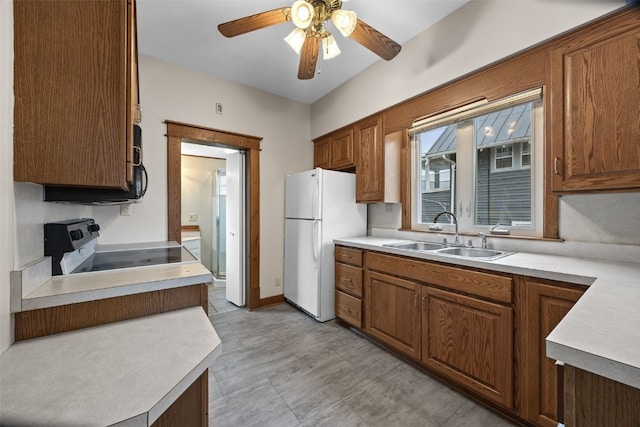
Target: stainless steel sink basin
column 415, row 246
column 487, row 254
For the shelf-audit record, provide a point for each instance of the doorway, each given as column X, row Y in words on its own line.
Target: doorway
column 176, row 133
column 213, row 211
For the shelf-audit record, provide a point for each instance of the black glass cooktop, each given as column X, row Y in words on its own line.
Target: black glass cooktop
column 100, row 261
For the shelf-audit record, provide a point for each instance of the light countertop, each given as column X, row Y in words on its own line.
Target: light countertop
column 33, row 287
column 127, row 372
column 601, row 333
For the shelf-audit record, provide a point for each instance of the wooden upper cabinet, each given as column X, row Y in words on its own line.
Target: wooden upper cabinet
column 595, row 107
column 75, row 85
column 335, row 151
column 342, row 149
column 322, row 153
column 370, row 164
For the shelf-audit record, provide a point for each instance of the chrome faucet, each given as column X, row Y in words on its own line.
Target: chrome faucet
column 483, row 237
column 455, row 221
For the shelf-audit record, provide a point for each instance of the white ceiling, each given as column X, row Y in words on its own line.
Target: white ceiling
column 185, row 32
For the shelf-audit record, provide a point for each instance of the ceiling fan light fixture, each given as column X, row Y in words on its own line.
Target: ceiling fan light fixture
column 295, row 39
column 302, row 14
column 330, row 48
column 345, row 21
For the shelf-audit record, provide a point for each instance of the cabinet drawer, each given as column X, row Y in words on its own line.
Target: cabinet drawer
column 349, row 309
column 349, row 255
column 487, row 285
column 349, row 279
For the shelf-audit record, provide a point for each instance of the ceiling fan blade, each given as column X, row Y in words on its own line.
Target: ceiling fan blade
column 308, row 58
column 255, row 22
column 375, row 41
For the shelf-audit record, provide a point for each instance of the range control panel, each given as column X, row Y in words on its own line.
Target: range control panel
column 67, row 236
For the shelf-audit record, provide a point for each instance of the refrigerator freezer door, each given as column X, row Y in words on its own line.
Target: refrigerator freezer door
column 302, row 195
column 302, row 264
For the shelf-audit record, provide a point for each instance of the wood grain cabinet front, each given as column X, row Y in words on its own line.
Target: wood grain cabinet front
column 76, row 96
column 348, row 285
column 336, row 151
column 322, row 153
column 392, row 311
column 349, row 309
column 470, row 341
column 595, row 107
column 541, row 305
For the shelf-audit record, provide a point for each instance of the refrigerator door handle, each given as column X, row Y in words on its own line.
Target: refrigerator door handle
column 315, row 243
column 316, row 194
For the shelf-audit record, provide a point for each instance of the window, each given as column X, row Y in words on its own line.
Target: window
column 503, row 157
column 437, row 153
column 479, row 162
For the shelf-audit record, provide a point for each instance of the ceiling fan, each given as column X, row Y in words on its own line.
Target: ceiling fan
column 310, row 18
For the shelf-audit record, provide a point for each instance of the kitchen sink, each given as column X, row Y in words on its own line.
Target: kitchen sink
column 487, row 254
column 415, row 246
column 461, row 252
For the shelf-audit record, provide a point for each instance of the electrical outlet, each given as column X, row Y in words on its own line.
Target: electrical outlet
column 125, row 210
column 193, row 217
column 277, row 282
column 218, row 107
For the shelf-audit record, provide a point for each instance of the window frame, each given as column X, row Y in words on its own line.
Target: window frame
column 465, row 203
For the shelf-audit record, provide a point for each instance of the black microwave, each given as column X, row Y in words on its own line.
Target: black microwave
column 100, row 196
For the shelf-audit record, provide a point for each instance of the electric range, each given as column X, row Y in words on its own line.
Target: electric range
column 72, row 244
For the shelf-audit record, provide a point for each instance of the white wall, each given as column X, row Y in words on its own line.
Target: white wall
column 172, row 92
column 475, row 35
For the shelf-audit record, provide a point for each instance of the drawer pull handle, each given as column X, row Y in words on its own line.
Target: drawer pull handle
column 348, row 283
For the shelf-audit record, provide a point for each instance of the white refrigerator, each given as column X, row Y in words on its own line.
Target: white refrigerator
column 320, row 205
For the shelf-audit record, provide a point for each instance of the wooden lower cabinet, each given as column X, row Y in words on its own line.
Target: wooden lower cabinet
column 470, row 341
column 392, row 311
column 349, row 309
column 595, row 401
column 482, row 330
column 191, row 409
column 348, row 285
column 544, row 304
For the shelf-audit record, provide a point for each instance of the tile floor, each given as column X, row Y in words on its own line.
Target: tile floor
column 218, row 302
column 279, row 367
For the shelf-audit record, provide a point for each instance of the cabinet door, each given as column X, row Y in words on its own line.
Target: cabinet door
column 322, row 153
column 392, row 312
column 595, row 108
column 71, row 85
column 470, row 341
column 370, row 165
column 545, row 304
column 342, row 150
